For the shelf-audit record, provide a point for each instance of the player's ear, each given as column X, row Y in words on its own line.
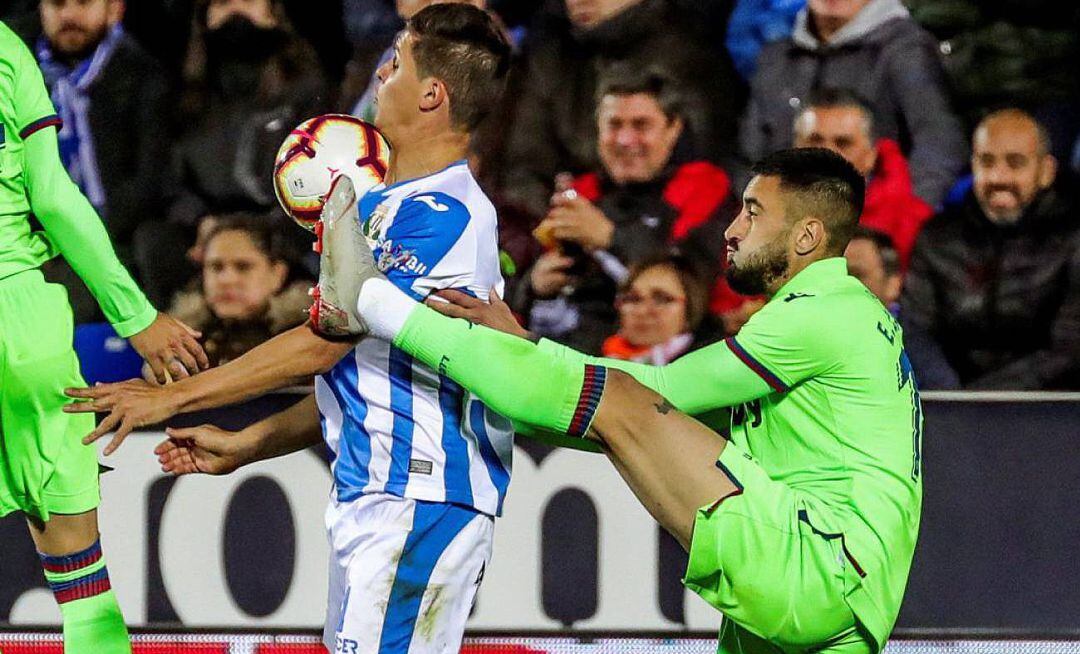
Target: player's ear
column 809, row 235
column 433, row 95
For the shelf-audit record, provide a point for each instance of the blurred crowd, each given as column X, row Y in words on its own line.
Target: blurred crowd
column 616, row 159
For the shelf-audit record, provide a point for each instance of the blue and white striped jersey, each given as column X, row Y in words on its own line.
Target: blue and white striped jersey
column 392, row 424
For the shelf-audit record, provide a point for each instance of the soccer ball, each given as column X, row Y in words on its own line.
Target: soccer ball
column 319, row 150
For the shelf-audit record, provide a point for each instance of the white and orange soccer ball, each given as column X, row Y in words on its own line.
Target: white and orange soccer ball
column 319, row 150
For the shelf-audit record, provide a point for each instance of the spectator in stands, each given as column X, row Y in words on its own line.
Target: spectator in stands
column 661, row 308
column 873, row 260
column 840, row 121
column 554, row 124
column 875, row 49
column 638, row 203
column 111, row 96
column 250, row 81
column 249, row 291
column 992, row 298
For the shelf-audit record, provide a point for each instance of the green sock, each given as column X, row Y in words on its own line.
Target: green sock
column 510, row 375
column 93, row 623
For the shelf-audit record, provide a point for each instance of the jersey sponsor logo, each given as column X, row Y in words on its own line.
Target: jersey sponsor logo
column 796, row 296
column 400, row 258
column 3, row 138
column 420, row 467
column 346, row 646
column 749, row 412
column 429, row 200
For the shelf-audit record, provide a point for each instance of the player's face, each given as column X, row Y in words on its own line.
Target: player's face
column 238, row 278
column 589, row 13
column 398, row 98
column 259, row 12
column 635, row 137
column 1009, row 167
column 75, row 27
column 757, row 240
column 653, row 310
column 840, row 129
column 864, row 263
column 839, row 10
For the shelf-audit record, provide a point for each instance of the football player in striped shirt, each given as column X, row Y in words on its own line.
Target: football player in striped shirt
column 420, row 467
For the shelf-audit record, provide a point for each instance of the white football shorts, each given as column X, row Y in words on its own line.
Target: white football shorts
column 403, row 574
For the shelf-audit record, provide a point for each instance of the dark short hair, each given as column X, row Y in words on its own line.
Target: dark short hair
column 690, row 278
column 621, row 79
column 465, row 48
column 819, row 182
column 265, row 232
column 890, row 258
column 831, row 97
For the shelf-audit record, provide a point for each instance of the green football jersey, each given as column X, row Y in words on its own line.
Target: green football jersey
column 824, row 398
column 842, row 424
column 24, row 108
column 33, row 181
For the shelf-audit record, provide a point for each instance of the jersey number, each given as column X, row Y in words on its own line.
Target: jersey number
column 907, row 378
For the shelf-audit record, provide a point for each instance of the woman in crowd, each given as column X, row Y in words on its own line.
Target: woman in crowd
column 248, row 293
column 662, row 310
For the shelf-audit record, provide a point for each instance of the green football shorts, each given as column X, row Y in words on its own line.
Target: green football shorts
column 44, row 467
column 767, row 560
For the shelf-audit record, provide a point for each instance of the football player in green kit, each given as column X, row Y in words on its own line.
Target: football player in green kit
column 802, row 526
column 45, row 470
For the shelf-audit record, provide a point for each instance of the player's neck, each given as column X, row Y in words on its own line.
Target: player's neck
column 425, row 156
column 794, row 268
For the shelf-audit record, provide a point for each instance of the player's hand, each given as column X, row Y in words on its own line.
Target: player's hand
column 170, row 345
column 206, row 449
column 494, row 313
column 548, row 274
column 130, row 405
column 573, row 218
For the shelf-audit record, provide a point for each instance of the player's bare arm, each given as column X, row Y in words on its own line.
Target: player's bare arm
column 288, row 359
column 214, row 451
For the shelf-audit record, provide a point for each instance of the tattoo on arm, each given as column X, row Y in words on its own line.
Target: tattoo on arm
column 663, row 407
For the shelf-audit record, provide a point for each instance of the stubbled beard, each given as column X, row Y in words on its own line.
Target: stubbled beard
column 761, row 269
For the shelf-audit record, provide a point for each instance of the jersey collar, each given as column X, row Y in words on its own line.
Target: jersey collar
column 819, row 274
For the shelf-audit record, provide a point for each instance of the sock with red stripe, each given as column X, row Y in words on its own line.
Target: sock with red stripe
column 92, row 618
column 510, row 375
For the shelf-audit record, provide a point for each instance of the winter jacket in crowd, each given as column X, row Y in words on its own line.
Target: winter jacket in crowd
column 891, row 205
column 687, row 208
column 886, row 58
column 990, row 306
column 554, row 127
column 225, row 340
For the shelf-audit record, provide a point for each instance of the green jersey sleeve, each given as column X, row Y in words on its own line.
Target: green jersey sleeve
column 707, row 379
column 33, row 110
column 69, row 219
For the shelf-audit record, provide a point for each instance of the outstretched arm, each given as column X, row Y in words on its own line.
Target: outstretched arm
column 710, row 378
column 287, row 359
column 73, row 228
column 213, row 451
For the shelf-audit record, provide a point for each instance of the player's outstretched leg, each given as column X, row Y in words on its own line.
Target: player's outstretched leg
column 510, row 374
column 667, row 458
column 74, row 566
